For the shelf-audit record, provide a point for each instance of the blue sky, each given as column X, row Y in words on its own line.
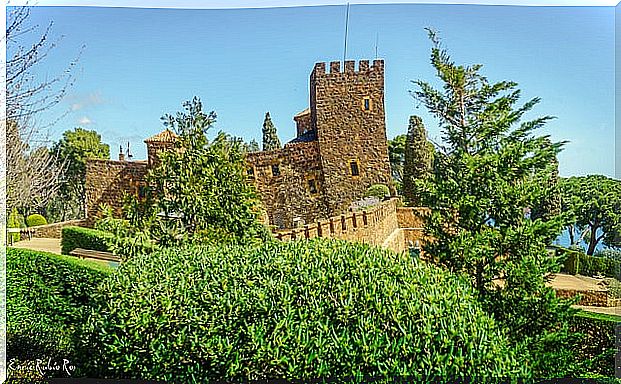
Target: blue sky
column 139, row 64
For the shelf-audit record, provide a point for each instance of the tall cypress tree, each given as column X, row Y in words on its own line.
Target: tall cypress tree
column 270, row 137
column 417, row 159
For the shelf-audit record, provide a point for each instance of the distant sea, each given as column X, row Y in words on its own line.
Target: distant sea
column 563, row 240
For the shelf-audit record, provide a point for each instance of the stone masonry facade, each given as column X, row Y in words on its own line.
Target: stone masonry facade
column 340, row 150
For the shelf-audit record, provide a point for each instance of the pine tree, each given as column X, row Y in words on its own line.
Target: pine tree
column 270, row 137
column 486, row 175
column 417, row 159
column 550, row 204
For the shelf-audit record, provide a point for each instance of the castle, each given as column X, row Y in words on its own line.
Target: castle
column 339, row 151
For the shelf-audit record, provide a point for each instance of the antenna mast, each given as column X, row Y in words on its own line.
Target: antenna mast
column 376, row 41
column 346, row 28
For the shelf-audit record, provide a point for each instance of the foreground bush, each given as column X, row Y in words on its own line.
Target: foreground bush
column 87, row 238
column 46, row 299
column 35, row 220
column 296, row 310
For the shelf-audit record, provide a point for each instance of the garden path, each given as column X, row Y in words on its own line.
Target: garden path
column 616, row 311
column 40, row 244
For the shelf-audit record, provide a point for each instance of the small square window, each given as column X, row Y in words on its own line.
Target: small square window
column 354, row 168
column 312, row 186
column 275, row 170
column 250, row 171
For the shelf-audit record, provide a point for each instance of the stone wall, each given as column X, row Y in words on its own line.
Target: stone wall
column 154, row 149
column 303, row 123
column 410, row 217
column 347, row 111
column 283, row 180
column 376, row 226
column 107, row 181
column 589, row 298
column 54, row 230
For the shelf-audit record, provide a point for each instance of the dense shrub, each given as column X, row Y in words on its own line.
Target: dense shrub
column 570, row 265
column 125, row 240
column 582, row 264
column 597, row 350
column 291, row 310
column 592, row 265
column 377, row 190
column 13, row 222
column 609, row 253
column 87, row 238
column 35, row 219
column 46, row 299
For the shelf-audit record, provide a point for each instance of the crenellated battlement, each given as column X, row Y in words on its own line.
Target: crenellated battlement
column 349, row 67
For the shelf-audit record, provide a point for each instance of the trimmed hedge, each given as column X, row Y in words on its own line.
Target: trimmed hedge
column 35, row 220
column 579, row 263
column 609, row 253
column 13, row 222
column 47, row 298
column 298, row 310
column 597, row 350
column 87, row 238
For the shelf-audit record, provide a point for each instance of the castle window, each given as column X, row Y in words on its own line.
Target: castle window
column 312, row 186
column 366, row 103
column 250, row 171
column 353, row 166
column 275, row 170
column 142, row 191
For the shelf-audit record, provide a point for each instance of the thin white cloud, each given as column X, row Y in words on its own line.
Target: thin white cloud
column 82, row 101
column 85, row 121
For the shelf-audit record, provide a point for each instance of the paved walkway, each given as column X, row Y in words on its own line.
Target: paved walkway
column 578, row 283
column 604, row 310
column 40, row 244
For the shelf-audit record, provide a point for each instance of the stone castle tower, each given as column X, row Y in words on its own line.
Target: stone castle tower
column 347, row 112
column 339, row 152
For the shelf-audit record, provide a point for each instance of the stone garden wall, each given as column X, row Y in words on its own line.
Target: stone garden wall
column 589, row 298
column 54, row 230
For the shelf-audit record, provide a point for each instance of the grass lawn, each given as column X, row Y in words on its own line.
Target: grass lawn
column 600, row 316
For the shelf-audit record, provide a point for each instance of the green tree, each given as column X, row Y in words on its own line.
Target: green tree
column 270, row 137
column 396, row 156
column 549, row 206
column 202, row 184
column 253, row 146
column 486, row 174
column 593, row 204
column 75, row 147
column 418, row 156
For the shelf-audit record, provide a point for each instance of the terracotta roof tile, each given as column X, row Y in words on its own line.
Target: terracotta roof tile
column 303, row 113
column 165, row 136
